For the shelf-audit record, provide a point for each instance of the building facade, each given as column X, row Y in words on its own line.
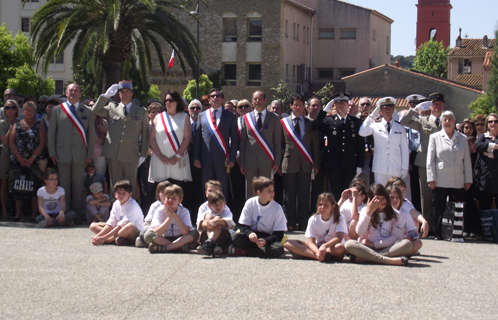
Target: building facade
column 433, row 21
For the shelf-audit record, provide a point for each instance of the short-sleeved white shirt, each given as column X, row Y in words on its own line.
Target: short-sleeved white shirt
column 51, row 202
column 406, row 220
column 324, row 231
column 130, row 211
column 226, row 215
column 91, row 197
column 407, row 205
column 152, row 209
column 268, row 218
column 173, row 230
column 346, row 211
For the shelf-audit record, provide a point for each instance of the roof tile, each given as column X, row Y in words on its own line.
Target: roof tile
column 472, row 47
column 472, row 80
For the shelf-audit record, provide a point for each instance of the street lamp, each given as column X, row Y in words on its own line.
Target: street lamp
column 196, row 13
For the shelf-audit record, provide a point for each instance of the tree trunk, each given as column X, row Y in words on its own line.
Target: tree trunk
column 111, row 73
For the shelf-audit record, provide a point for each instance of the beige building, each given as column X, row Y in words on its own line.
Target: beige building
column 18, row 18
column 466, row 61
column 256, row 43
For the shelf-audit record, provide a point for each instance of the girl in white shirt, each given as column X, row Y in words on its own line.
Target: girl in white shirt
column 381, row 234
column 325, row 231
column 351, row 211
column 409, row 228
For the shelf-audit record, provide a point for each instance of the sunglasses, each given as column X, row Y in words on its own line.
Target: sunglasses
column 195, row 108
column 10, row 108
column 215, row 96
column 366, row 104
column 492, row 121
column 169, row 100
column 245, row 106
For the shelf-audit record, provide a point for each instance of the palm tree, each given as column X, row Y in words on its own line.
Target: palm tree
column 106, row 31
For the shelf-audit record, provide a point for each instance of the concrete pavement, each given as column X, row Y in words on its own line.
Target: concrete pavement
column 58, row 274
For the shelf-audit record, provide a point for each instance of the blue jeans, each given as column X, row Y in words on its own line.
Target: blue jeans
column 68, row 216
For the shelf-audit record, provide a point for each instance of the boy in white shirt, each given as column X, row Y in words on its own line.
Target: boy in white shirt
column 125, row 222
column 171, row 228
column 97, row 204
column 213, row 225
column 262, row 224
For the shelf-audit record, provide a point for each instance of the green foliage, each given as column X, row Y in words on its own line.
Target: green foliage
column 282, row 93
column 492, row 90
column 16, row 71
column 215, row 77
column 432, row 58
column 482, row 105
column 325, row 93
column 154, row 92
column 404, row 62
column 204, row 86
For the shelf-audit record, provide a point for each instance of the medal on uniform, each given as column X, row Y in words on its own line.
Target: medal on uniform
column 354, row 135
column 334, row 132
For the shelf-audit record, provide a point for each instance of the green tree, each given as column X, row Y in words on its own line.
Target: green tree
column 432, row 58
column 492, row 90
column 106, row 33
column 282, row 93
column 325, row 93
column 482, row 105
column 204, row 86
column 16, row 71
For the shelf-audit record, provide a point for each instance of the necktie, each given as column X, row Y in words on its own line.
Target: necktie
column 73, row 107
column 125, row 111
column 297, row 128
column 193, row 128
column 388, row 127
column 214, row 115
column 259, row 123
column 437, row 122
column 343, row 120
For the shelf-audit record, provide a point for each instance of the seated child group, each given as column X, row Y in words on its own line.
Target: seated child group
column 367, row 226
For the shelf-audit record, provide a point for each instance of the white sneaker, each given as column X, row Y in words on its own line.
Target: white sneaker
column 140, row 243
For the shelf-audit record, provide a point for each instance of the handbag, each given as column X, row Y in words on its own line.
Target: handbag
column 489, row 224
column 24, row 180
column 452, row 223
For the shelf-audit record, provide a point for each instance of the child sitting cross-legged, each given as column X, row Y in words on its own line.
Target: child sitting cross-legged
column 214, row 225
column 262, row 224
column 171, row 229
column 97, row 204
column 125, row 222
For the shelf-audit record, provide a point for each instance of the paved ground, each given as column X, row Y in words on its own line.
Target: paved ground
column 58, row 274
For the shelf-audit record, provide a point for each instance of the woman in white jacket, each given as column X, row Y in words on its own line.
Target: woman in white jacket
column 381, row 234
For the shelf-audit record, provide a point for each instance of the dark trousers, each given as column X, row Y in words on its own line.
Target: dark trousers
column 147, row 189
column 439, row 204
column 471, row 216
column 317, row 188
column 242, row 241
column 279, row 189
column 339, row 180
column 236, row 199
column 223, row 240
column 297, row 188
column 414, row 182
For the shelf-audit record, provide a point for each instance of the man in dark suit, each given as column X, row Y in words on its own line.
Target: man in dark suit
column 254, row 159
column 345, row 151
column 67, row 148
column 216, row 141
column 298, row 163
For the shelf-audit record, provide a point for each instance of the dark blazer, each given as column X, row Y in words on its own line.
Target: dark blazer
column 293, row 160
column 205, row 148
column 487, row 163
column 345, row 147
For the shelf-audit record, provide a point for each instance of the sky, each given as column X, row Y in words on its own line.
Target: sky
column 476, row 18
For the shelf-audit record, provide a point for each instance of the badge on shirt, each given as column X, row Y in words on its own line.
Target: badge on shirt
column 135, row 118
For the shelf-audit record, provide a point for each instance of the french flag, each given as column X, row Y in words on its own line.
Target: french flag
column 172, row 59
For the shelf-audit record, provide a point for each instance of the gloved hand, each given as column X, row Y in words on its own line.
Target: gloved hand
column 111, row 91
column 358, row 171
column 404, row 174
column 423, row 106
column 375, row 113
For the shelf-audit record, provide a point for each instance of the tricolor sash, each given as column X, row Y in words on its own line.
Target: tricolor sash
column 296, row 138
column 75, row 120
column 216, row 134
column 260, row 138
column 170, row 132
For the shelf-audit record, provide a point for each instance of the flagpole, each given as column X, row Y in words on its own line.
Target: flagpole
column 197, row 73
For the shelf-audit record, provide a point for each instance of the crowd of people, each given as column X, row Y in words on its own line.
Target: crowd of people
column 229, row 176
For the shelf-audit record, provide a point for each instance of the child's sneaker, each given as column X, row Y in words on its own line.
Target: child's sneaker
column 120, row 241
column 155, row 248
column 140, row 243
column 217, row 250
column 42, row 224
column 205, row 249
column 236, row 252
column 185, row 248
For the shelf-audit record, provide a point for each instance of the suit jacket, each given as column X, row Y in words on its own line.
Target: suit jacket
column 293, row 160
column 486, row 167
column 391, row 148
column 128, row 137
column 64, row 140
column 252, row 155
column 425, row 126
column 448, row 160
column 205, row 148
column 345, row 149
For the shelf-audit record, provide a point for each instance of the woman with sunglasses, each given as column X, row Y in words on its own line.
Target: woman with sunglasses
column 169, row 138
column 487, row 163
column 10, row 112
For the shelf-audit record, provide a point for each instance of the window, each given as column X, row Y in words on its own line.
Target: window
column 326, row 73
column 294, row 31
column 346, row 72
column 286, row 28
column 59, row 86
column 25, row 24
column 255, row 28
column 230, row 74
column 308, row 34
column 432, row 34
column 254, row 75
column 304, row 34
column 326, row 34
column 464, row 66
column 230, row 30
column 373, row 34
column 287, row 72
column 293, row 73
column 297, row 35
column 387, row 45
column 59, row 61
column 348, row 33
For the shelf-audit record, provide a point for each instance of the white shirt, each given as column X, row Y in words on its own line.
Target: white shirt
column 267, row 219
column 301, row 123
column 263, row 115
column 128, row 212
column 346, row 209
column 324, row 231
column 91, row 197
column 173, row 230
column 152, row 209
column 51, row 202
column 217, row 114
column 226, row 215
column 128, row 107
column 385, row 235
